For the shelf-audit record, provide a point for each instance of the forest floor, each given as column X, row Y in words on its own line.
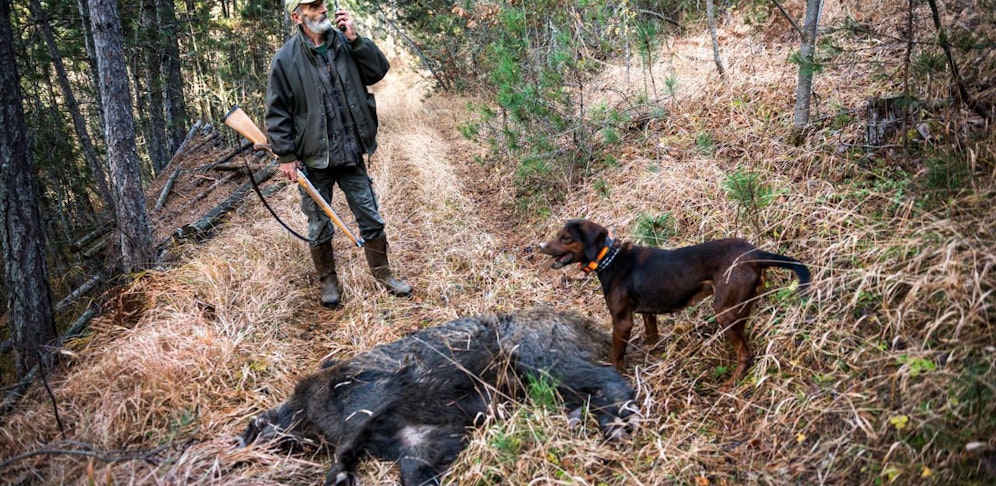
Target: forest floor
column 884, row 375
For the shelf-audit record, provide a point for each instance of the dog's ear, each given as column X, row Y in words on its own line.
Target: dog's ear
column 593, row 237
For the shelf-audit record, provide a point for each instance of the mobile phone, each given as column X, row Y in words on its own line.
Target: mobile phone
column 335, row 4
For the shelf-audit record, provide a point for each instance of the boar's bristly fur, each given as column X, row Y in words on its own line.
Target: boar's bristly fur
column 412, row 401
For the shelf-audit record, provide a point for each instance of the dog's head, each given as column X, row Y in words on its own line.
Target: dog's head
column 579, row 241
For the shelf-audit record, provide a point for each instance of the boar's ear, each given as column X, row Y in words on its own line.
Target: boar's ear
column 593, row 238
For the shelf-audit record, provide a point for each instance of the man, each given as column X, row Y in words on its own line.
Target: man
column 320, row 117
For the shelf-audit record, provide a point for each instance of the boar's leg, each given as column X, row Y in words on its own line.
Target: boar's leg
column 606, row 393
column 339, row 477
column 426, row 451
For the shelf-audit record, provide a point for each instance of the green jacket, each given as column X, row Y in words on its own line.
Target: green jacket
column 295, row 115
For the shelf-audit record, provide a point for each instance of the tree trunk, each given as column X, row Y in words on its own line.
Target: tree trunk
column 29, row 300
column 93, row 161
column 91, row 56
column 711, row 14
column 119, row 130
column 807, row 66
column 157, row 143
column 176, row 111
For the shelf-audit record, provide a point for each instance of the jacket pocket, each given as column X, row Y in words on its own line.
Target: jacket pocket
column 301, row 134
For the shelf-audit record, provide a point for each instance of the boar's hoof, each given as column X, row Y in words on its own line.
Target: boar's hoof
column 338, row 477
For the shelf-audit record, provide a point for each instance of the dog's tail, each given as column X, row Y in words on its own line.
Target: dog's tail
column 767, row 259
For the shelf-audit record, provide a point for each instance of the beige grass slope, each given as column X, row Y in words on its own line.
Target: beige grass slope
column 884, row 376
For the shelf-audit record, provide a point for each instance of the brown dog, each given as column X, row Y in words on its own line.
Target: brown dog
column 650, row 281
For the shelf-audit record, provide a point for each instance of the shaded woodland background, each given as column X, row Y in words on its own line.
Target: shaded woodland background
column 501, row 119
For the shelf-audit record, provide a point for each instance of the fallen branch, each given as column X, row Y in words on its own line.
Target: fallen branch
column 166, row 189
column 658, row 15
column 79, row 292
column 961, row 93
column 17, row 391
column 151, row 456
column 79, row 325
column 94, row 250
column 217, row 183
column 789, row 18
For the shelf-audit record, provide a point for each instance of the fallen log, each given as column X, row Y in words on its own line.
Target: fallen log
column 190, row 135
column 221, row 161
column 210, row 136
column 228, row 167
column 218, row 182
column 206, row 223
column 92, row 236
column 95, row 249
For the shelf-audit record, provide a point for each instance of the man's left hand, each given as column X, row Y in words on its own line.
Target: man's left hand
column 344, row 21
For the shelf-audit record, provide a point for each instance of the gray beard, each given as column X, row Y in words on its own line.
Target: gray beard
column 319, row 26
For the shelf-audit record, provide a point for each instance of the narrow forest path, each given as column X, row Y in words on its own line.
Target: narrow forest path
column 450, row 222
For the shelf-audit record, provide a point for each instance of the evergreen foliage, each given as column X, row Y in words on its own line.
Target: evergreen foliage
column 535, row 63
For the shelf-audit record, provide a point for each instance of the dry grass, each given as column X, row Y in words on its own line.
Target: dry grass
column 883, row 375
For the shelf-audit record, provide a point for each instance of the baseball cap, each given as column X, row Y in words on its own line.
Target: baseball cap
column 293, row 4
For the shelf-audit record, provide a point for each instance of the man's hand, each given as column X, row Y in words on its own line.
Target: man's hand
column 290, row 169
column 344, row 22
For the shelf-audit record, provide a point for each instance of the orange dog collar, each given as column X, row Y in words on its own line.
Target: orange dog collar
column 592, row 265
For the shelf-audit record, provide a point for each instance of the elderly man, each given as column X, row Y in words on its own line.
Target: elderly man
column 321, row 118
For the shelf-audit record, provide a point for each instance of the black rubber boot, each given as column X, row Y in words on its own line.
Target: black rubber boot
column 376, row 252
column 324, row 259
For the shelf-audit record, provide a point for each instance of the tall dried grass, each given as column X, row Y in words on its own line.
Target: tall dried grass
column 883, row 374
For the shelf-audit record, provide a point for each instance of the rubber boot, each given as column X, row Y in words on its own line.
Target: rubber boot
column 324, row 259
column 376, row 252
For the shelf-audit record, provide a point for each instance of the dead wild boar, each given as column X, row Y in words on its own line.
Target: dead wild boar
column 412, row 401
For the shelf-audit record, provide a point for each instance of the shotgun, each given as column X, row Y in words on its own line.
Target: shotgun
column 240, row 122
